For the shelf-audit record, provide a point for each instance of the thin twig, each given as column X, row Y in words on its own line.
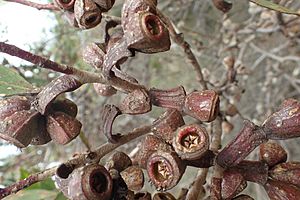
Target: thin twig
column 49, row 6
column 196, row 191
column 81, row 75
column 179, row 39
column 30, row 180
column 216, row 144
column 76, row 162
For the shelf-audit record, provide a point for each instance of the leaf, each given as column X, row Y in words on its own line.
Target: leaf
column 274, row 6
column 60, row 196
column 24, row 173
column 36, row 194
column 12, row 83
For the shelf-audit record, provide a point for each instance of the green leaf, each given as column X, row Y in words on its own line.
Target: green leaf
column 274, row 6
column 36, row 194
column 24, row 173
column 47, row 184
column 12, row 83
column 60, row 196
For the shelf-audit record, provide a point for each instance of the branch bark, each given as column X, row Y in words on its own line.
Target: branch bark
column 49, row 6
column 81, row 75
column 76, row 162
column 179, row 40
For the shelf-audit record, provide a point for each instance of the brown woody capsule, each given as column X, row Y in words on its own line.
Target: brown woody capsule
column 165, row 169
column 238, row 149
column 93, row 54
column 119, row 161
column 207, row 160
column 136, row 102
column 65, row 4
column 42, row 136
column 281, row 191
column 272, row 153
column 287, row 172
column 9, row 106
column 222, row 5
column 116, row 55
column 104, row 90
column 90, row 183
column 20, row 127
column 142, row 196
column 149, row 145
column 64, row 105
column 143, row 29
column 243, row 197
column 130, row 195
column 285, row 123
column 109, row 114
column 163, row 196
column 105, row 5
column 133, row 176
column 167, row 123
column 48, row 94
column 62, row 127
column 191, row 142
column 120, row 189
column 87, row 14
column 203, row 106
column 247, row 167
column 232, row 184
column 215, row 189
column 172, row 98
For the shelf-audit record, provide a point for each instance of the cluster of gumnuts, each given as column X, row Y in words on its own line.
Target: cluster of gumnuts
column 173, row 145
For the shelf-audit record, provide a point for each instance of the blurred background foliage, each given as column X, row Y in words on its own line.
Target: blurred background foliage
column 265, row 45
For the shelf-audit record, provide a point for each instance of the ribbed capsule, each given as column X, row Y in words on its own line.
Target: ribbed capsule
column 286, row 172
column 87, row 14
column 191, row 142
column 232, row 184
column 62, row 127
column 65, row 4
column 247, row 167
column 143, row 29
column 91, row 182
column 171, row 98
column 285, row 123
column 215, row 188
column 166, row 125
column 64, row 105
column 149, row 145
column 119, row 161
column 249, row 137
column 136, row 102
column 20, row 127
column 105, row 5
column 272, row 153
column 133, row 176
column 42, row 137
column 165, row 169
column 281, row 191
column 203, row 105
column 10, row 105
column 93, row 54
